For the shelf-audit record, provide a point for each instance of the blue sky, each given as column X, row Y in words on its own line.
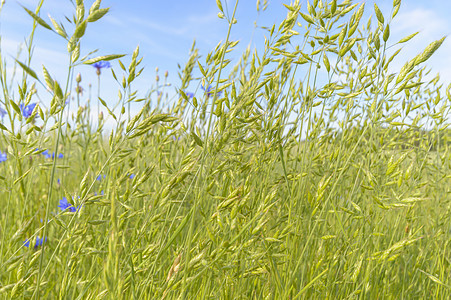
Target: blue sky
column 165, row 31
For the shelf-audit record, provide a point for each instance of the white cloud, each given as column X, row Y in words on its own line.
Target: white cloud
column 133, row 22
column 188, row 27
column 426, row 21
column 431, row 27
column 203, row 19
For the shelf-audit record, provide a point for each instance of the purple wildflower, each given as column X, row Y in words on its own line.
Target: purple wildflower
column 46, row 154
column 189, row 95
column 60, row 155
column 209, row 91
column 27, row 110
column 2, row 112
column 101, row 65
column 65, row 205
column 39, row 242
column 2, row 156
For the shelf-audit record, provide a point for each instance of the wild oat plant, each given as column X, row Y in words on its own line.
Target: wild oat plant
column 311, row 169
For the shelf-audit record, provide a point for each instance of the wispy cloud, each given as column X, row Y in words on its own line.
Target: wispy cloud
column 431, row 27
column 203, row 19
column 142, row 23
column 163, row 37
column 43, row 55
column 427, row 21
column 187, row 26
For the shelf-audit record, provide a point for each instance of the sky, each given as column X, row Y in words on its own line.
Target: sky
column 165, row 31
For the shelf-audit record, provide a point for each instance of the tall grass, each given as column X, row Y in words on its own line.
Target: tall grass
column 312, row 169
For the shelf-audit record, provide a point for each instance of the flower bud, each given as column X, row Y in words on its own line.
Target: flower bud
column 78, row 78
column 79, row 90
column 166, row 74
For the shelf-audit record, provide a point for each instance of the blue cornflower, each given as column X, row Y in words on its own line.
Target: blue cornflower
column 132, row 176
column 39, row 242
column 2, row 156
column 100, row 177
column 100, row 65
column 189, row 95
column 59, row 155
column 65, row 205
column 101, row 193
column 46, row 153
column 209, row 91
column 2, row 112
column 27, row 110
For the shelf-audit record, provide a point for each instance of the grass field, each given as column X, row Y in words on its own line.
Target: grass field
column 312, row 170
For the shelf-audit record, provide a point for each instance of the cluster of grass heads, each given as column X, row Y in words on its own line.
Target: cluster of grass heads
column 310, row 170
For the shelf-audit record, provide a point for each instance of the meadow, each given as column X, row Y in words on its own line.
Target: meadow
column 310, row 170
